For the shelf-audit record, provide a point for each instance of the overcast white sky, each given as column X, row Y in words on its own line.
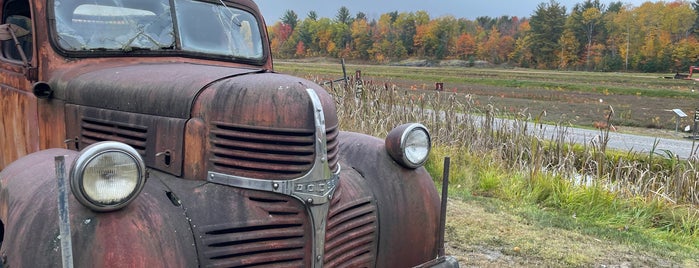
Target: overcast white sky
column 273, row 10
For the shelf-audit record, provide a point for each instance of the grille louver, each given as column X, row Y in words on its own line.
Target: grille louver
column 278, row 241
column 95, row 130
column 350, row 238
column 266, row 153
column 333, row 148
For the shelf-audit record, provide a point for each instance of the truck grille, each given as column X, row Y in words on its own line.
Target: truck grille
column 277, row 241
column 275, row 232
column 95, row 130
column 266, row 153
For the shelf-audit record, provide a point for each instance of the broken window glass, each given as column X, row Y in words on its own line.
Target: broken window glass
column 126, row 25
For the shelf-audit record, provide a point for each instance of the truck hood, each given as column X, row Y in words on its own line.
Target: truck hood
column 156, row 89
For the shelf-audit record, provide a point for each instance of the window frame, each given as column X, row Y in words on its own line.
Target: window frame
column 177, row 52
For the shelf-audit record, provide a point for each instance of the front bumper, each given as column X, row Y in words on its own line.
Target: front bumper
column 441, row 262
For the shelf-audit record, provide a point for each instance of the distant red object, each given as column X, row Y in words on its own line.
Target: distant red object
column 689, row 76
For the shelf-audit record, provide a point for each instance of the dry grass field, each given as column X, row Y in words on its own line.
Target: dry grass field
column 577, row 98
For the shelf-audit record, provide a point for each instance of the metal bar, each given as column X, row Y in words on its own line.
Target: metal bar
column 443, row 210
column 344, row 72
column 63, row 214
column 18, row 46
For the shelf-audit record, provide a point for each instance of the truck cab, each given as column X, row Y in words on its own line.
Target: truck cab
column 184, row 148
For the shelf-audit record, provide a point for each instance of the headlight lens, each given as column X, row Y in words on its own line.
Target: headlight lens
column 417, row 145
column 409, row 145
column 107, row 176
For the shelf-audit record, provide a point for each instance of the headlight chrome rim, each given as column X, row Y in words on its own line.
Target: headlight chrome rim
column 407, row 149
column 105, row 152
column 407, row 143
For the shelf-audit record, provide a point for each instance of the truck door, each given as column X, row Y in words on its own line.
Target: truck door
column 19, row 131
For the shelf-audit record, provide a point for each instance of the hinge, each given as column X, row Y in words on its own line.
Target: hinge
column 31, row 73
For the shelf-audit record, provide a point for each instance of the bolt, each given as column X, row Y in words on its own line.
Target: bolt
column 310, row 201
column 275, row 186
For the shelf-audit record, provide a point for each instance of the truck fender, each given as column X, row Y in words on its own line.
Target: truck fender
column 407, row 201
column 152, row 231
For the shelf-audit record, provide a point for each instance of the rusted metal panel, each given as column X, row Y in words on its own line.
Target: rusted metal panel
column 155, row 89
column 19, row 129
column 158, row 139
column 195, row 148
column 19, row 133
column 151, row 232
column 267, row 100
column 52, row 129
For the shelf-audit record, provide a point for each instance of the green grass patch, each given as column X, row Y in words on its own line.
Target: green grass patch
column 550, row 201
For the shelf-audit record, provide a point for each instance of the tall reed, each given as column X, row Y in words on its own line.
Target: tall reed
column 518, row 143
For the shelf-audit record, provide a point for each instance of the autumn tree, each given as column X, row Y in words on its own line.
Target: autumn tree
column 425, row 39
column 546, row 29
column 343, row 16
column 405, row 26
column 522, row 54
column 488, row 50
column 591, row 20
column 586, row 23
column 360, row 16
column 312, row 15
column 685, row 54
column 569, row 47
column 386, row 45
column 465, row 46
column 653, row 37
column 279, row 34
column 361, row 39
column 290, row 18
column 678, row 20
column 695, row 8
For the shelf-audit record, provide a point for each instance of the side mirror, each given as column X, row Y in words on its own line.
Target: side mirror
column 11, row 32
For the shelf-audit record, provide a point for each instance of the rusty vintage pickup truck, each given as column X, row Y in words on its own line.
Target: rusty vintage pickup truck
column 183, row 148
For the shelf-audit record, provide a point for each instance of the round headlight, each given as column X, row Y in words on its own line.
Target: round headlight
column 409, row 145
column 107, row 176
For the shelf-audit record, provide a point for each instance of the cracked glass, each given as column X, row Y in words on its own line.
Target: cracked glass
column 157, row 25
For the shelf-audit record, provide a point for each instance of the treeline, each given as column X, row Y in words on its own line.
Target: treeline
column 653, row 37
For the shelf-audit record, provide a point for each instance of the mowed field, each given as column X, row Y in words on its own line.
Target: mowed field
column 639, row 100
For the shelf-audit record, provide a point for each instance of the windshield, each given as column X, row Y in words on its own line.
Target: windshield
column 126, row 25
